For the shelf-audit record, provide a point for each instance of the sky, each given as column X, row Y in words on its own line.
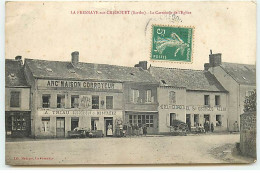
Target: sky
column 49, row 31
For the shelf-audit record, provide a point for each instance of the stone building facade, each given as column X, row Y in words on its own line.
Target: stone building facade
column 69, row 95
column 238, row 79
column 192, row 96
column 17, row 100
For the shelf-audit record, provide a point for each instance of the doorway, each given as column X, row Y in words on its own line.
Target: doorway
column 108, row 126
column 206, row 118
column 188, row 121
column 60, row 127
column 172, row 118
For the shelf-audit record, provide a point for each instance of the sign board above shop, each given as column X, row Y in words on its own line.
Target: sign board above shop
column 192, row 108
column 79, row 84
column 66, row 112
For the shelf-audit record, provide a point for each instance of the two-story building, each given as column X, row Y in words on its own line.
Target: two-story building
column 192, row 96
column 141, row 99
column 69, row 95
column 17, row 100
column 238, row 79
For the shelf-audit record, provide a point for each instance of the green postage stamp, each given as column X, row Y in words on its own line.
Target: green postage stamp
column 172, row 43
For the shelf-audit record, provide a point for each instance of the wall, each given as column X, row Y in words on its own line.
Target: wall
column 236, row 95
column 84, row 114
column 24, row 99
column 165, row 108
column 248, row 134
column 142, row 105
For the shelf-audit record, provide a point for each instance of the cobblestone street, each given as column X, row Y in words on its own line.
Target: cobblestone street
column 136, row 150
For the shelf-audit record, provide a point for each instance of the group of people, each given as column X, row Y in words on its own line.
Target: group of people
column 134, row 130
column 206, row 128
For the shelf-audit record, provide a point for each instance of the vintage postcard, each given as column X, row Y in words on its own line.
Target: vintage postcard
column 119, row 83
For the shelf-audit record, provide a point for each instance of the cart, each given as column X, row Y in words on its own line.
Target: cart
column 178, row 128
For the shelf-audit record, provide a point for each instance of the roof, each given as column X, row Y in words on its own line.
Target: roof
column 241, row 73
column 195, row 80
column 87, row 71
column 14, row 75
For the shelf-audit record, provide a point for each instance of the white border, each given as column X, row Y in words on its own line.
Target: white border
column 255, row 166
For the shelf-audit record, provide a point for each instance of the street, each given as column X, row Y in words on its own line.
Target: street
column 135, row 150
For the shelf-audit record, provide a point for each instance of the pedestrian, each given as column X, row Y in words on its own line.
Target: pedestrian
column 205, row 127
column 141, row 130
column 236, row 126
column 212, row 127
column 137, row 130
column 145, row 130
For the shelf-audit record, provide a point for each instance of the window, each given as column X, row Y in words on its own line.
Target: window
column 172, row 117
column 141, row 120
column 95, row 102
column 149, row 120
column 148, row 96
column 74, row 101
column 15, row 99
column 217, row 100
column 46, row 101
column 45, row 124
column 172, row 99
column 94, row 123
column 109, row 102
column 218, row 120
column 74, row 122
column 135, row 96
column 206, row 100
column 60, row 101
column 18, row 123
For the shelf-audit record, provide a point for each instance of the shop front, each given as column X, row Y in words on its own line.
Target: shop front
column 18, row 123
column 141, row 119
column 57, row 123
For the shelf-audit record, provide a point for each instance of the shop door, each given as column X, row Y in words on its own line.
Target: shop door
column 108, row 126
column 206, row 118
column 60, row 127
column 188, row 121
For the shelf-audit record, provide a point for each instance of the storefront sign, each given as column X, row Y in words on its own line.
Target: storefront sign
column 79, row 84
column 192, row 108
column 79, row 113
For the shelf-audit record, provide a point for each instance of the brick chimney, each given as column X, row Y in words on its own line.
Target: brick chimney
column 75, row 57
column 142, row 64
column 214, row 59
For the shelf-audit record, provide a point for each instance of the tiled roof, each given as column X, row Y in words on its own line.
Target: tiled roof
column 195, row 80
column 85, row 71
column 14, row 75
column 241, row 73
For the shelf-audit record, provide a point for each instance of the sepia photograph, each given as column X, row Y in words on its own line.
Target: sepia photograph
column 130, row 83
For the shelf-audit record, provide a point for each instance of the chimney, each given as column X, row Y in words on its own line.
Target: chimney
column 214, row 59
column 75, row 57
column 206, row 66
column 19, row 58
column 142, row 64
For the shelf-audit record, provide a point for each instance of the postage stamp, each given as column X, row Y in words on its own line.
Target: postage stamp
column 172, row 43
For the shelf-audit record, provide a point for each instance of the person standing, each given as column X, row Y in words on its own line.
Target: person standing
column 212, row 127
column 141, row 130
column 145, row 130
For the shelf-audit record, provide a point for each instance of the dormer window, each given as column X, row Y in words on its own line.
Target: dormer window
column 72, row 70
column 163, row 81
column 48, row 69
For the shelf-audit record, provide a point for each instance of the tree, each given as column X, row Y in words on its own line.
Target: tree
column 250, row 102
